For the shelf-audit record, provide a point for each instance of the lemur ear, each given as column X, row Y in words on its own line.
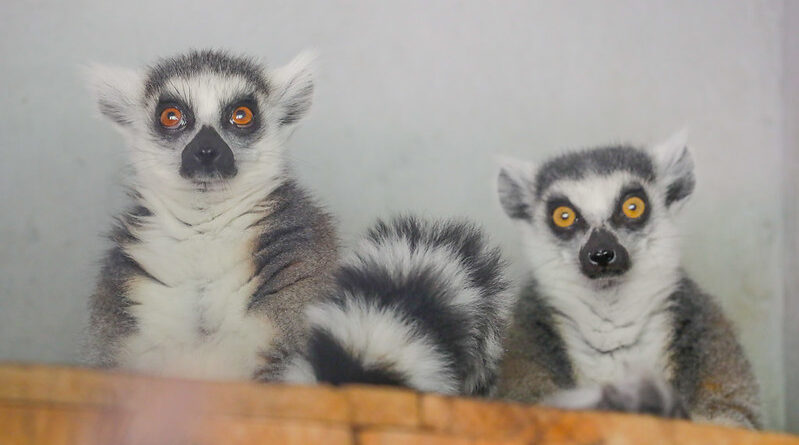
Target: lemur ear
column 675, row 167
column 116, row 91
column 514, row 187
column 293, row 87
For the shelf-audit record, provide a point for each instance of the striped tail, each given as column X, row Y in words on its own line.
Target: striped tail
column 418, row 304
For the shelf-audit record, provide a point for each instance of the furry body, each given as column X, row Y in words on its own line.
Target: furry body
column 700, row 358
column 574, row 329
column 418, row 304
column 211, row 269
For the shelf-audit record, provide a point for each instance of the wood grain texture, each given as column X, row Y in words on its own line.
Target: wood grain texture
column 73, row 406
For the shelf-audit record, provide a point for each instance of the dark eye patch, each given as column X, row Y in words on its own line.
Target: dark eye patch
column 166, row 102
column 619, row 219
column 249, row 101
column 564, row 233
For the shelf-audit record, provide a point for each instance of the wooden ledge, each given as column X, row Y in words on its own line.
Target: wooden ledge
column 74, row 406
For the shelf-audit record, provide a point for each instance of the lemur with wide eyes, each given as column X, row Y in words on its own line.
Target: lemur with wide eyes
column 215, row 265
column 608, row 308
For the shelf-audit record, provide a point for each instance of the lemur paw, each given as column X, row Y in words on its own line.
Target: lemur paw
column 642, row 394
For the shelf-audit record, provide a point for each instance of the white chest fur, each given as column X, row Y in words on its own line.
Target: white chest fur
column 192, row 319
column 605, row 340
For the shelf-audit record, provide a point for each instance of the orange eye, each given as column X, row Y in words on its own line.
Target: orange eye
column 242, row 116
column 171, row 117
column 633, row 207
column 564, row 216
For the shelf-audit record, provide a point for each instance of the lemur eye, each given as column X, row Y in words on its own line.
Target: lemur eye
column 171, row 117
column 633, row 207
column 564, row 216
column 242, row 116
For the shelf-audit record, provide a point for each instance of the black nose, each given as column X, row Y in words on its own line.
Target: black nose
column 602, row 257
column 206, row 155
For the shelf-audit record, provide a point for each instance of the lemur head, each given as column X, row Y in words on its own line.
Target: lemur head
column 205, row 121
column 602, row 216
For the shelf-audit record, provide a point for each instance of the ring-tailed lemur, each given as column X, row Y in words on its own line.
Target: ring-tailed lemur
column 418, row 304
column 608, row 298
column 221, row 251
column 213, row 267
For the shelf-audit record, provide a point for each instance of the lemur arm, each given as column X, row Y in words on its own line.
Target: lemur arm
column 712, row 371
column 535, row 364
column 726, row 392
column 525, row 381
column 110, row 318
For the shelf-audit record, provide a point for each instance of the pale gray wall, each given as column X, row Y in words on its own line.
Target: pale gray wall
column 413, row 99
column 791, row 211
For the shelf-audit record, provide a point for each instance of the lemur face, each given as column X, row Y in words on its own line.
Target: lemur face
column 202, row 121
column 598, row 219
column 205, row 121
column 597, row 216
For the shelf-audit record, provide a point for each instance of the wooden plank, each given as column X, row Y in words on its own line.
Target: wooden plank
column 473, row 417
column 83, row 387
column 511, row 422
column 73, row 406
column 372, row 405
column 37, row 424
column 400, row 437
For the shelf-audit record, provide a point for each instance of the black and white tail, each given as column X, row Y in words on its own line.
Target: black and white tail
column 418, row 304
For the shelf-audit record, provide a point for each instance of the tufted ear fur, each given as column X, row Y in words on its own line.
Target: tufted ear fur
column 514, row 187
column 116, row 91
column 675, row 167
column 293, row 87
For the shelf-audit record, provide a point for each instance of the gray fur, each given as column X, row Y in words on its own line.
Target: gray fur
column 196, row 62
column 294, row 257
column 518, row 190
column 647, row 397
column 711, row 370
column 160, row 305
column 293, row 269
column 512, row 196
column 535, row 362
column 681, row 185
column 602, row 161
column 646, row 394
column 109, row 317
column 114, row 112
column 437, row 286
column 712, row 377
column 634, row 315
